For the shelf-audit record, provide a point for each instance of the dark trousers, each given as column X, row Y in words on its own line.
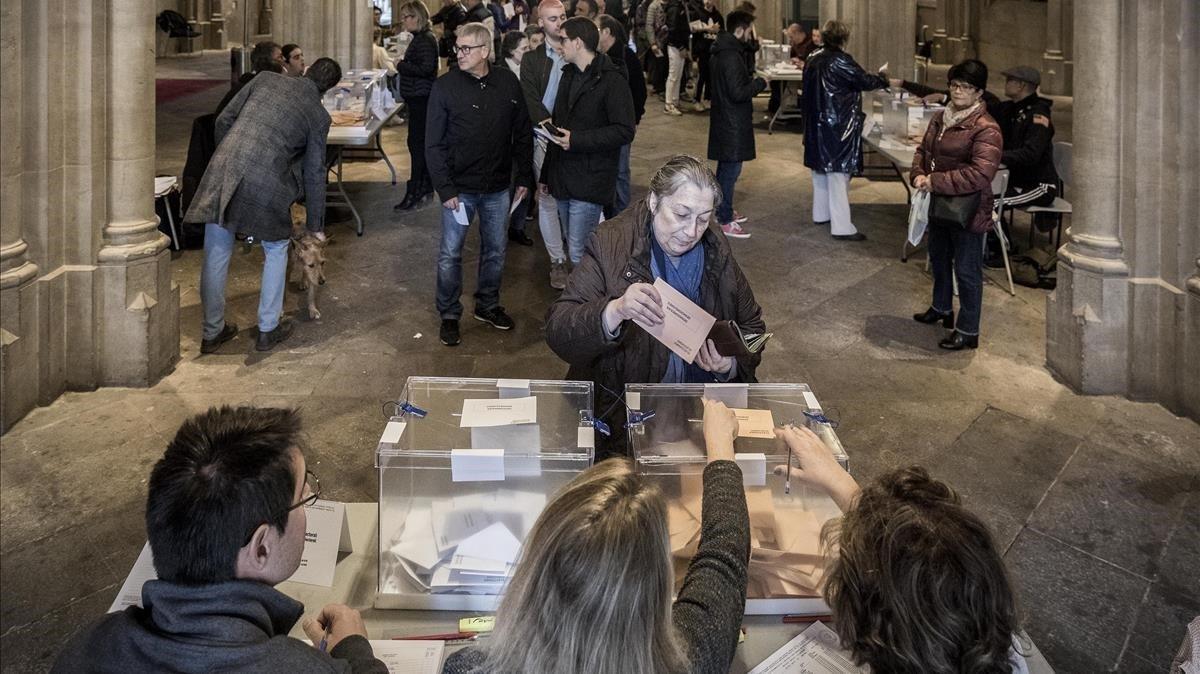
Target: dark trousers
column 657, row 72
column 703, row 88
column 956, row 253
column 727, row 176
column 420, row 180
column 776, row 97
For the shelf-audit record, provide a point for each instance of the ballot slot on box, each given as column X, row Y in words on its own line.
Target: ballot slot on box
column 466, row 466
column 787, row 563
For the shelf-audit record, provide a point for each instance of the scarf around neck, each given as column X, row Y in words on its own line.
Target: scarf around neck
column 950, row 117
column 686, row 279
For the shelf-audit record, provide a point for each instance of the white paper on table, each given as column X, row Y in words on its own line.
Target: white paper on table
column 498, row 411
column 392, row 432
column 131, row 589
column 327, row 534
column 813, row 651
column 755, row 423
column 416, row 542
column 754, row 468
column 476, row 465
column 409, row 657
column 685, row 325
column 733, row 395
column 460, row 214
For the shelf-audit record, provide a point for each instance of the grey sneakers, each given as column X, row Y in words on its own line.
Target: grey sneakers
column 559, row 274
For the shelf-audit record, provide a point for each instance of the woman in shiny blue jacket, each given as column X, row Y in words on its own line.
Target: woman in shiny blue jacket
column 833, row 117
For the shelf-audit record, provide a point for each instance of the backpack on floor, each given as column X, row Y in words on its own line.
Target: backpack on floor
column 1035, row 269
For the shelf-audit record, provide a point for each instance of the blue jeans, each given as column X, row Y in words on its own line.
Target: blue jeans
column 623, row 183
column 727, row 175
column 954, row 250
column 218, row 248
column 581, row 218
column 493, row 237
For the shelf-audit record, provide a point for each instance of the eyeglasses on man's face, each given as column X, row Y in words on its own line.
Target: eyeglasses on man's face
column 464, row 49
column 308, row 496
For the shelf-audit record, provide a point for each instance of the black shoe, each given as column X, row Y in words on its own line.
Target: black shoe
column 449, row 332
column 932, row 316
column 268, row 340
column 857, row 236
column 520, row 237
column 957, row 341
column 227, row 333
column 822, row 223
column 407, row 203
column 494, row 317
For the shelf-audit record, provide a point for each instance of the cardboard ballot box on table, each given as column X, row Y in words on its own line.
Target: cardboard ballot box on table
column 666, row 434
column 465, row 468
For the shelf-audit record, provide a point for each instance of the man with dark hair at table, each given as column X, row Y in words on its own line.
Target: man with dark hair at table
column 478, row 132
column 594, row 118
column 226, row 520
column 265, row 57
column 270, row 154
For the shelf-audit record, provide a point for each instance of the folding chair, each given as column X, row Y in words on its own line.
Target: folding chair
column 1060, row 206
column 999, row 187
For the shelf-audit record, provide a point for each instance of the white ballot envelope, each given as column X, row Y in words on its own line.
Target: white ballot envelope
column 460, row 214
column 685, row 325
column 498, row 411
column 131, row 589
column 327, row 534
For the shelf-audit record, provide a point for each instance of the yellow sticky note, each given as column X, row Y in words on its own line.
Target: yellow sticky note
column 483, row 623
column 755, row 423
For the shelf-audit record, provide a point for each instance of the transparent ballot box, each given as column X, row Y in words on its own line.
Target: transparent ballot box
column 666, row 435
column 465, row 468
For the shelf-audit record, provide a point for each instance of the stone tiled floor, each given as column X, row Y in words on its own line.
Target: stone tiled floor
column 1095, row 500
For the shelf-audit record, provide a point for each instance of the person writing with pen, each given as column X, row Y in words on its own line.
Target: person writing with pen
column 226, row 521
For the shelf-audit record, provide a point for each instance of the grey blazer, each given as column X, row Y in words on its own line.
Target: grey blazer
column 270, row 153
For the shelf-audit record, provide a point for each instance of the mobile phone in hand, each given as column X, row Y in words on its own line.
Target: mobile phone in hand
column 554, row 130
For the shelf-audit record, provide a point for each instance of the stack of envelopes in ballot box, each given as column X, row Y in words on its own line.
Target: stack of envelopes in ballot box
column 787, row 562
column 465, row 468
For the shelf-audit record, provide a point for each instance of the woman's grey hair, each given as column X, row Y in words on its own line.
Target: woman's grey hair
column 680, row 169
column 592, row 592
column 835, row 33
column 325, row 72
column 417, row 8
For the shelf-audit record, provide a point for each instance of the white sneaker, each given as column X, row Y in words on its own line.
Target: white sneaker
column 672, row 110
column 739, row 218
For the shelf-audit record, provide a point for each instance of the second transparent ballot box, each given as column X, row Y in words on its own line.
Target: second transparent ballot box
column 666, row 435
column 465, row 468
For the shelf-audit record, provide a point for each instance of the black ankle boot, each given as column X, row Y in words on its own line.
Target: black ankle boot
column 931, row 316
column 957, row 341
column 409, row 195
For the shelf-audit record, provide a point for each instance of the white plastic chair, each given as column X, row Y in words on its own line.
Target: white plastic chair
column 999, row 187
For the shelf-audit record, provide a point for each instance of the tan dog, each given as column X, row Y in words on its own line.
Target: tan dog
column 308, row 257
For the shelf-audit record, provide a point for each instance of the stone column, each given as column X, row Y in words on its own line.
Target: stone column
column 1067, row 76
column 138, row 308
column 966, row 43
column 1053, row 57
column 202, row 23
column 1125, row 318
column 940, row 48
column 339, row 29
column 216, row 37
column 954, row 48
column 264, row 30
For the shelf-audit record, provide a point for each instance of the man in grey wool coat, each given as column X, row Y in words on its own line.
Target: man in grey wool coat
column 270, row 153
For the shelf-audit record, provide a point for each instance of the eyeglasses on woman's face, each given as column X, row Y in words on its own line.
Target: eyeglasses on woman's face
column 963, row 86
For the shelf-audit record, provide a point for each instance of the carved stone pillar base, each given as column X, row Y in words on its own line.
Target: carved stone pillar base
column 1087, row 332
column 214, row 37
column 137, row 311
column 19, row 342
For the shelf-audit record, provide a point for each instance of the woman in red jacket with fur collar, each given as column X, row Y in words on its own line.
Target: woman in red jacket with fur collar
column 959, row 156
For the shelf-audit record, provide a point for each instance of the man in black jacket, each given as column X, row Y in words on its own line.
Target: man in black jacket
column 1028, row 140
column 541, row 73
column 478, row 130
column 593, row 114
column 731, row 123
column 614, row 42
column 226, row 519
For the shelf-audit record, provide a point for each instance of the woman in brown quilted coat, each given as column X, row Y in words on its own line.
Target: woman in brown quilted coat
column 959, row 156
